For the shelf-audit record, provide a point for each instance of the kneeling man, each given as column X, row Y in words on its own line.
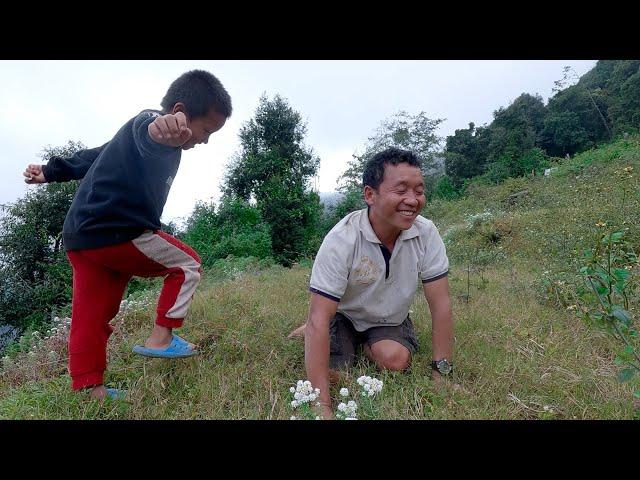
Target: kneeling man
column 365, row 276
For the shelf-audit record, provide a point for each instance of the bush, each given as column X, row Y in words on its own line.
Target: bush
column 445, row 189
column 235, row 229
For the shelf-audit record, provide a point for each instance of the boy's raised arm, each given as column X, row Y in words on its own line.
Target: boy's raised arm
column 60, row 169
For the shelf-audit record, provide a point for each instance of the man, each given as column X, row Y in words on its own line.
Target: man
column 365, row 276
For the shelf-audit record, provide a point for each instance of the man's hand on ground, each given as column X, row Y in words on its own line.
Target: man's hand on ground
column 325, row 412
column 445, row 383
column 298, row 332
column 437, row 379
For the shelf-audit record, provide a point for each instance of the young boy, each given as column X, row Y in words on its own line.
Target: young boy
column 112, row 229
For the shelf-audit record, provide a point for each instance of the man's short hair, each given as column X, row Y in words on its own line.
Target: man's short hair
column 373, row 174
column 200, row 91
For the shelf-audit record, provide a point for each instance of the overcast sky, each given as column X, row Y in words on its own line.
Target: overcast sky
column 48, row 103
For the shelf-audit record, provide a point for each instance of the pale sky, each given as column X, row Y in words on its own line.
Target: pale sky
column 343, row 102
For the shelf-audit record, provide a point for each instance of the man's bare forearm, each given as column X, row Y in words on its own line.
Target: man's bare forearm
column 316, row 358
column 442, row 336
column 438, row 298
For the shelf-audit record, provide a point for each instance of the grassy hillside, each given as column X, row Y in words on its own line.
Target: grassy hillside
column 519, row 353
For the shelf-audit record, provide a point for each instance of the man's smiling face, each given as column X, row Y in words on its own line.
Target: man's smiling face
column 399, row 198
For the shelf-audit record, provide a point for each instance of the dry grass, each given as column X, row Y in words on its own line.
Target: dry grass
column 514, row 357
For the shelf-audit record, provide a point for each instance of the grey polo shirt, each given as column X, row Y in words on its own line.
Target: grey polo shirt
column 350, row 268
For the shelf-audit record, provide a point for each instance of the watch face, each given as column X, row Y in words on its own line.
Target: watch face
column 444, row 367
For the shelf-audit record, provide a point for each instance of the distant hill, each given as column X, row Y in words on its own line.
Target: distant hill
column 330, row 199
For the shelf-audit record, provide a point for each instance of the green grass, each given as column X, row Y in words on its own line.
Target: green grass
column 516, row 351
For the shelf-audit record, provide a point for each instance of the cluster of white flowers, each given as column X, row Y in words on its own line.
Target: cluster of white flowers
column 303, row 392
column 347, row 411
column 129, row 304
column 61, row 326
column 370, row 385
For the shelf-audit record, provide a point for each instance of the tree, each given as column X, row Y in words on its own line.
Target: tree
column 34, row 272
column 576, row 115
column 274, row 168
column 624, row 95
column 516, row 129
column 31, row 230
column 416, row 133
column 465, row 154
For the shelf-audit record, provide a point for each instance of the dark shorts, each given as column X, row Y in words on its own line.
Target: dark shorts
column 344, row 339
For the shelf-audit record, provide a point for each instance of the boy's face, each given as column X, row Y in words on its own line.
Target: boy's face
column 202, row 127
column 400, row 196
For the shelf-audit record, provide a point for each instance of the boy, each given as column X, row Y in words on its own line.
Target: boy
column 112, row 229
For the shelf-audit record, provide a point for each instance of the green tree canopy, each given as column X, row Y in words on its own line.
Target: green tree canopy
column 35, row 275
column 416, row 133
column 274, row 168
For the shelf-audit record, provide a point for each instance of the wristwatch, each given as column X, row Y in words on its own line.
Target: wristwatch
column 444, row 366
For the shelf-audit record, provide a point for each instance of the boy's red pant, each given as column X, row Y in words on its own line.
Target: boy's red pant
column 100, row 277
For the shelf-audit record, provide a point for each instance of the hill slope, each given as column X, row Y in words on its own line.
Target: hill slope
column 518, row 354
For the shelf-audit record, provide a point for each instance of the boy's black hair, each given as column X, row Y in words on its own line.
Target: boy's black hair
column 200, row 91
column 373, row 174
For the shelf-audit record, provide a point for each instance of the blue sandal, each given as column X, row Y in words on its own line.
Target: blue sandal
column 178, row 348
column 115, row 394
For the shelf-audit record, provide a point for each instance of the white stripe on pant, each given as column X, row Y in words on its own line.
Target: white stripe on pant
column 168, row 255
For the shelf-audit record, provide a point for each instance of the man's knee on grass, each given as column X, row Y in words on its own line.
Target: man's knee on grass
column 389, row 355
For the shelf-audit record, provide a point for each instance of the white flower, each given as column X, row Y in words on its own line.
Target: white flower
column 294, row 403
column 317, row 418
column 293, row 417
column 304, row 392
column 342, row 407
column 344, row 392
column 350, row 418
column 367, row 387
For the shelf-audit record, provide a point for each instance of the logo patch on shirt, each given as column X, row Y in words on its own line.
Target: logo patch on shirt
column 367, row 271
